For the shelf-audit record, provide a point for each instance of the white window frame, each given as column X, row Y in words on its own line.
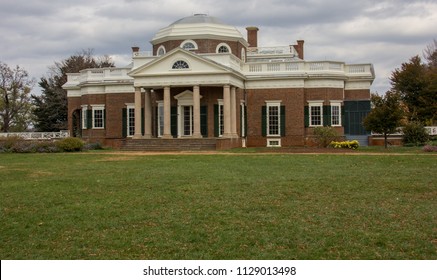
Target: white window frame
column 84, row 117
column 274, row 142
column 128, row 117
column 313, row 104
column 190, row 49
column 96, row 108
column 243, row 118
column 160, row 118
column 161, row 51
column 336, row 104
column 268, row 105
column 223, row 45
column 221, row 117
column 180, row 69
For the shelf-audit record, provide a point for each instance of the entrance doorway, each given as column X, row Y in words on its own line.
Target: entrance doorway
column 187, row 120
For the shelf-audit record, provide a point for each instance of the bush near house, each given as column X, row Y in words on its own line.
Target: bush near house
column 324, row 135
column 19, row 145
column 414, row 134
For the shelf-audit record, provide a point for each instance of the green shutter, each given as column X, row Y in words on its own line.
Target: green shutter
column 204, row 121
column 282, row 121
column 124, row 122
column 245, row 120
column 89, row 116
column 306, row 116
column 216, row 121
column 326, row 115
column 342, row 116
column 264, row 120
column 174, row 121
column 104, row 118
column 142, row 121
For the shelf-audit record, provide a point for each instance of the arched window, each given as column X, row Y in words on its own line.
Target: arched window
column 161, row 51
column 189, row 45
column 223, row 48
column 180, row 64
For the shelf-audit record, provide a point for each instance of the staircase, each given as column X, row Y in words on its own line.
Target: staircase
column 166, row 145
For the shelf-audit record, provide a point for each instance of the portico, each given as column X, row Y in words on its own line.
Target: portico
column 188, row 113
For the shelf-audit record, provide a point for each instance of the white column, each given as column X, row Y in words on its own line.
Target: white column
column 227, row 111
column 234, row 112
column 147, row 115
column 167, row 114
column 196, row 112
column 137, row 134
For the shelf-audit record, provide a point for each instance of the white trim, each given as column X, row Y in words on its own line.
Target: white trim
column 129, row 107
column 84, row 113
column 159, row 118
column 273, row 103
column 336, row 104
column 274, row 142
column 98, row 108
column 161, row 48
column 189, row 41
column 220, row 118
column 315, row 103
column 223, row 45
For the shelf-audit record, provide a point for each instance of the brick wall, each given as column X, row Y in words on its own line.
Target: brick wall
column 360, row 94
column 204, row 46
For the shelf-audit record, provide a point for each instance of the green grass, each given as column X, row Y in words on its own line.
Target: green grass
column 254, row 206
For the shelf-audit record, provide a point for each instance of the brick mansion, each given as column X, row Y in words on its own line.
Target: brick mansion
column 204, row 84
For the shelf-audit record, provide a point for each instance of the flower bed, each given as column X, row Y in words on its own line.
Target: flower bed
column 345, row 145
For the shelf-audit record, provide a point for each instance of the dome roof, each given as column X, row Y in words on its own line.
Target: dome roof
column 198, row 18
column 198, row 26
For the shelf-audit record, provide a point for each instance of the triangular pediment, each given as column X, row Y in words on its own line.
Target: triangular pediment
column 170, row 64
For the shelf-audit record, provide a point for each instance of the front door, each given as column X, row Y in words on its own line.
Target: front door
column 187, row 120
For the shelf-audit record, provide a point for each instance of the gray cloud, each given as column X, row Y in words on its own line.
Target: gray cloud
column 385, row 33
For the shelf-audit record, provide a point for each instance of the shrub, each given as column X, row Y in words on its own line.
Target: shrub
column 6, row 143
column 70, row 144
column 92, row 146
column 429, row 148
column 415, row 134
column 324, row 135
column 354, row 144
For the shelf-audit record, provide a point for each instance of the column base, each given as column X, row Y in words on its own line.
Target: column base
column 197, row 136
column 137, row 136
column 167, row 136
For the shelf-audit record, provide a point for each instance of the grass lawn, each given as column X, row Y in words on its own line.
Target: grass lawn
column 223, row 206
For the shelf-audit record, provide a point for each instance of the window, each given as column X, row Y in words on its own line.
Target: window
column 243, row 117
column 180, row 64
column 160, row 118
column 335, row 113
column 223, row 48
column 161, row 51
column 221, row 118
column 273, row 119
column 130, row 121
column 316, row 113
column 273, row 142
column 189, row 45
column 84, row 117
column 98, row 116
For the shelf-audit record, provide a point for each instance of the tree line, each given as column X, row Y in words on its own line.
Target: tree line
column 19, row 109
column 412, row 97
column 412, row 100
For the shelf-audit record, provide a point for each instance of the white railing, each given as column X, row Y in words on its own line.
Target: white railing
column 100, row 74
column 271, row 50
column 432, row 131
column 309, row 67
column 38, row 135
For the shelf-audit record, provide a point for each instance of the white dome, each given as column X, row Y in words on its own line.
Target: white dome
column 198, row 26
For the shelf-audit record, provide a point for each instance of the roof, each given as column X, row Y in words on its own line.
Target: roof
column 198, row 26
column 198, row 18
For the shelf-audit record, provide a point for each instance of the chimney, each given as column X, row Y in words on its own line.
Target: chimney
column 299, row 48
column 135, row 49
column 252, row 36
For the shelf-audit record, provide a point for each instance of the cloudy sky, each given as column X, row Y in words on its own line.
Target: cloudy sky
column 35, row 34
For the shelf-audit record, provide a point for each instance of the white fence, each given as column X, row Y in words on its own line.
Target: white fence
column 432, row 131
column 38, row 135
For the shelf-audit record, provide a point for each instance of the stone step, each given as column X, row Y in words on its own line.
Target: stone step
column 168, row 144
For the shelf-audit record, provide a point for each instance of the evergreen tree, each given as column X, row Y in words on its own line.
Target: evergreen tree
column 51, row 109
